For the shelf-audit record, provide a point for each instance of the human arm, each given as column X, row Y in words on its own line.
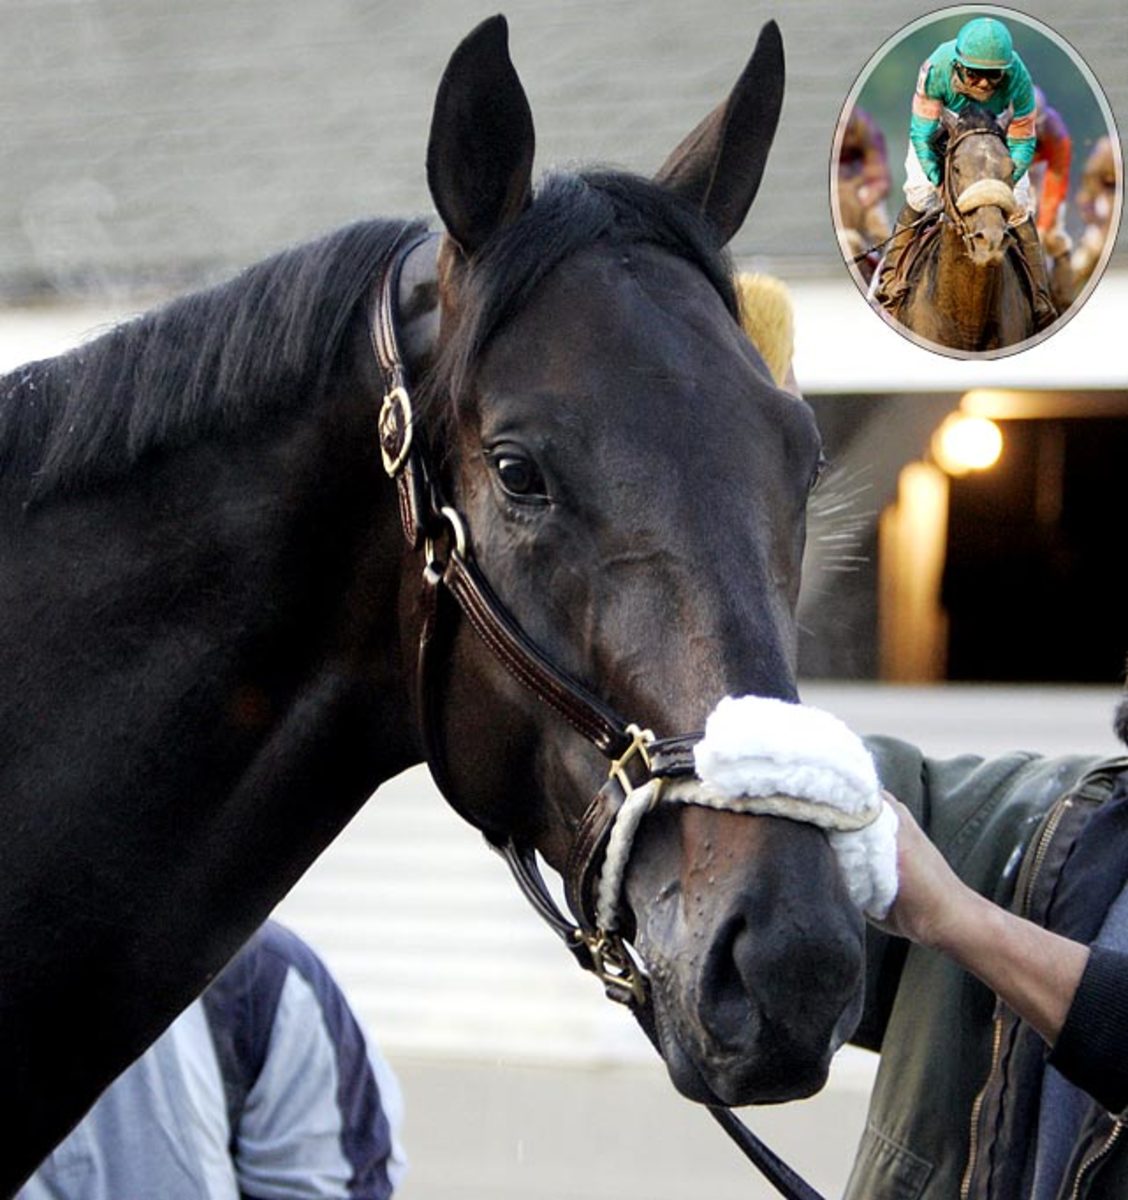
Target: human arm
column 1022, row 137
column 1034, row 971
column 927, row 107
column 1056, row 147
column 1090, row 1050
column 321, row 1116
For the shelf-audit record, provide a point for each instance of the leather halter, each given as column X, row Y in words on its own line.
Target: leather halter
column 636, row 757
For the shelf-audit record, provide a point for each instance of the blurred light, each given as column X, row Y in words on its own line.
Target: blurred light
column 996, row 403
column 1002, row 404
column 964, row 443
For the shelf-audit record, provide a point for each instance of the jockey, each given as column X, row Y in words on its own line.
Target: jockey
column 980, row 66
column 1054, row 149
column 1096, row 202
column 862, row 157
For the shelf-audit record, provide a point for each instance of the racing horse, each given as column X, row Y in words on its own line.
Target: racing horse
column 859, row 227
column 233, row 528
column 966, row 286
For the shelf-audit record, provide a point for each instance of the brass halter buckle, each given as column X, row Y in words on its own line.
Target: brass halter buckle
column 612, row 964
column 641, row 740
column 395, row 425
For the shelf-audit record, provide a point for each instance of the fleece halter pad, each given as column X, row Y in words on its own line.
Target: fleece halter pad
column 985, row 192
column 767, row 757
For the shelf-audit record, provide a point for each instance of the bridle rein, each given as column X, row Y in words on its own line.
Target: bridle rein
column 637, row 759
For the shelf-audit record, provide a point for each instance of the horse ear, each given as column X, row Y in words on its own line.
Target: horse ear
column 718, row 167
column 949, row 120
column 480, row 152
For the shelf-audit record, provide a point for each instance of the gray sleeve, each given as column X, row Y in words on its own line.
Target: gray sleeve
column 321, row 1119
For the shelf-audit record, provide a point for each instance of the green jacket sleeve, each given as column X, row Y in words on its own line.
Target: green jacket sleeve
column 927, row 103
column 981, row 814
column 921, row 133
column 930, row 1019
column 1022, row 136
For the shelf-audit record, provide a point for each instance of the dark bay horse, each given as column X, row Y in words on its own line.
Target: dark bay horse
column 966, row 286
column 213, row 617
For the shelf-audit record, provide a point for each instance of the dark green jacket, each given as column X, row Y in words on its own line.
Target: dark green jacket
column 935, row 1025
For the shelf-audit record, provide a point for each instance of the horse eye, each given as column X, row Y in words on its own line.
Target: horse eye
column 518, row 475
column 818, row 472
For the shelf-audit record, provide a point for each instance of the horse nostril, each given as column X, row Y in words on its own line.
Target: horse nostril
column 779, row 974
column 728, row 981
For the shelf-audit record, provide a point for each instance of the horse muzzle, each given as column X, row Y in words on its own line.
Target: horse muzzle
column 754, row 954
column 985, row 209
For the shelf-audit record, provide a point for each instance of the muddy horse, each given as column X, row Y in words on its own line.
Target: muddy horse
column 963, row 284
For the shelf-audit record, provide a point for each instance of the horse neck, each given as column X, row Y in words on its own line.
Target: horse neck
column 965, row 295
column 849, row 206
column 210, row 646
column 200, row 684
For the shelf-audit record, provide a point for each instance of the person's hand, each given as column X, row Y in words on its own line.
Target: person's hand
column 931, row 899
column 1034, row 971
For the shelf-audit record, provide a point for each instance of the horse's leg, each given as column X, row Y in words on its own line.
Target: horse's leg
column 1063, row 282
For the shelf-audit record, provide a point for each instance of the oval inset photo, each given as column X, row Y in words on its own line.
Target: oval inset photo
column 976, row 181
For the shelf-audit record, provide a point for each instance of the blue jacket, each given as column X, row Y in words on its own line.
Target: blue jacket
column 264, row 1089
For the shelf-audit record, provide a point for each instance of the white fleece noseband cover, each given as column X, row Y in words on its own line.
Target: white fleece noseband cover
column 770, row 757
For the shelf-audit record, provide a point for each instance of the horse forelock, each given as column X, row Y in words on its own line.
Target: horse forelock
column 571, row 211
column 972, row 118
column 206, row 362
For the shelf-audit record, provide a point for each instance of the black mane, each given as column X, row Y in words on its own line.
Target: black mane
column 267, row 339
column 207, row 361
column 570, row 211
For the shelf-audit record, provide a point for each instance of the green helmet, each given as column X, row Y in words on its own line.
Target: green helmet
column 985, row 44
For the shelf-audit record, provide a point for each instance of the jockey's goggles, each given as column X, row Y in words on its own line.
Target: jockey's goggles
column 980, row 75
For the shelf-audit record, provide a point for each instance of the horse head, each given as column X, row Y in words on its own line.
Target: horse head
column 633, row 486
column 978, row 173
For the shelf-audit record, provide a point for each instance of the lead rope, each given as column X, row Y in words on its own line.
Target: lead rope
column 521, row 861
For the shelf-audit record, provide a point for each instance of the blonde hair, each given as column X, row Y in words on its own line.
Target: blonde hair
column 769, row 321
